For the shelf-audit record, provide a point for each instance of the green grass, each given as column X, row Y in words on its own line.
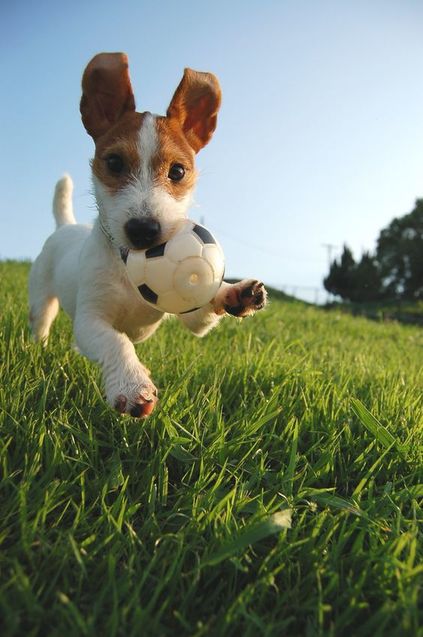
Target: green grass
column 179, row 525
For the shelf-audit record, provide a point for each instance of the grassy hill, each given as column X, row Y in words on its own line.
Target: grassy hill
column 408, row 312
column 180, row 524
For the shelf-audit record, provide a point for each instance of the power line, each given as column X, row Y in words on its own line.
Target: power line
column 254, row 246
column 311, row 291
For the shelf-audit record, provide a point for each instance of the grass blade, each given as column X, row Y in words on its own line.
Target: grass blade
column 372, row 424
column 252, row 534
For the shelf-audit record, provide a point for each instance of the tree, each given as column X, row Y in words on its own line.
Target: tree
column 400, row 255
column 394, row 272
column 355, row 281
column 367, row 284
column 340, row 278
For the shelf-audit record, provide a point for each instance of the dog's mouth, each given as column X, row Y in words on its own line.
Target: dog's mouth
column 136, row 246
column 153, row 245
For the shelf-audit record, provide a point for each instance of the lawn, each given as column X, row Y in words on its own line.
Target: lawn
column 276, row 491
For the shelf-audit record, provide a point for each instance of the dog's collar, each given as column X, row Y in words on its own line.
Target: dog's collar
column 123, row 251
column 106, row 231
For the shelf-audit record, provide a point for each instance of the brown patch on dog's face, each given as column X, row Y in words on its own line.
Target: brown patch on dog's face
column 117, row 157
column 120, row 156
column 173, row 151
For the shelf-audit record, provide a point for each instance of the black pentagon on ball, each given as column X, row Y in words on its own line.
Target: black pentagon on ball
column 156, row 251
column 205, row 235
column 147, row 293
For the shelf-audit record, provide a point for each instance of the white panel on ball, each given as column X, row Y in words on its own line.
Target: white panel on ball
column 182, row 246
column 172, row 303
column 159, row 274
column 213, row 253
column 194, row 280
column 136, row 266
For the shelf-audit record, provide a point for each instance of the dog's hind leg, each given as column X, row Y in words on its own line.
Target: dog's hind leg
column 44, row 306
column 43, row 301
column 42, row 313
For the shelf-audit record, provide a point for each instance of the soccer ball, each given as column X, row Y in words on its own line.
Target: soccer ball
column 181, row 275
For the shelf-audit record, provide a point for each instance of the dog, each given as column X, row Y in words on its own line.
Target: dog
column 143, row 176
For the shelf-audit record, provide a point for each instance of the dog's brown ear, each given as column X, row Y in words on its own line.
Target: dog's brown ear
column 195, row 105
column 106, row 92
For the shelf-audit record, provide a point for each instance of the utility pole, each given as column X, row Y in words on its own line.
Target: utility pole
column 330, row 247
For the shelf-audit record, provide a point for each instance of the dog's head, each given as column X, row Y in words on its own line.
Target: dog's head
column 143, row 168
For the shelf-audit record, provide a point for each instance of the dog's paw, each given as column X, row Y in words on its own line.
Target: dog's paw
column 132, row 396
column 243, row 298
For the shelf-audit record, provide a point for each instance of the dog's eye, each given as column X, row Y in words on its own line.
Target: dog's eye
column 115, row 164
column 176, row 172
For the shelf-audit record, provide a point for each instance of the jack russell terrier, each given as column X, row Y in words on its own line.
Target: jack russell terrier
column 144, row 177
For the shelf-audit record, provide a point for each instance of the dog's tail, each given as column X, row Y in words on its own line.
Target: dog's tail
column 62, row 202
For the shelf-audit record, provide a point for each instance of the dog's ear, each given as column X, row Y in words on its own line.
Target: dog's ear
column 195, row 105
column 106, row 92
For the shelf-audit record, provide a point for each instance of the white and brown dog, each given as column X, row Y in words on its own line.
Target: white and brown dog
column 144, row 176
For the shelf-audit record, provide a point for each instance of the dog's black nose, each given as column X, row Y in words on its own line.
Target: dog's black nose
column 142, row 232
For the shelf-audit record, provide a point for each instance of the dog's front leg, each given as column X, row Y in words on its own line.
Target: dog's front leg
column 127, row 383
column 237, row 299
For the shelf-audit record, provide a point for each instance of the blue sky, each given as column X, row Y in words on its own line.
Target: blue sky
column 320, row 135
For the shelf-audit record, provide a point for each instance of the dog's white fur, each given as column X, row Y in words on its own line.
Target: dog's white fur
column 80, row 269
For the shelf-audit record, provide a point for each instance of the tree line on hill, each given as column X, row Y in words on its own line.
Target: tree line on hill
column 393, row 272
